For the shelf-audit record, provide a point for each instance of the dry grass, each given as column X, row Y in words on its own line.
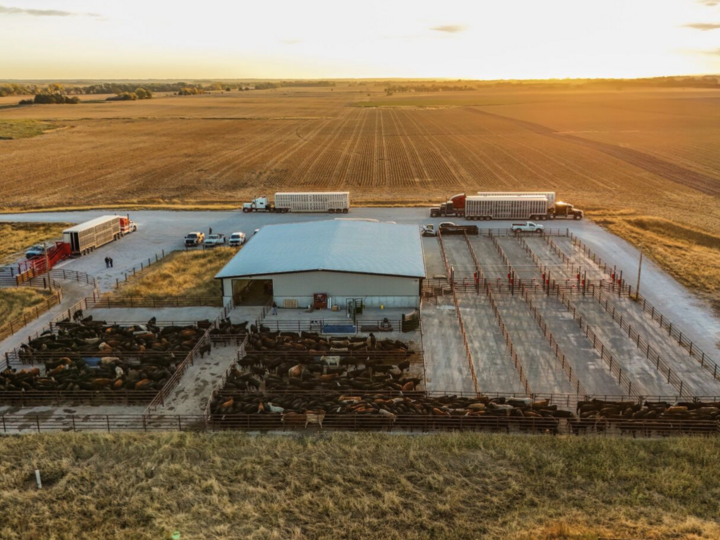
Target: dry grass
column 17, row 237
column 692, row 256
column 453, row 486
column 15, row 302
column 187, row 273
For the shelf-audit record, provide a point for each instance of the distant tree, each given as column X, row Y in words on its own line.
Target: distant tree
column 46, row 98
column 143, row 93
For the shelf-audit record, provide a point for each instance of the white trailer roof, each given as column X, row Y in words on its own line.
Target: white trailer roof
column 506, row 198
column 312, row 193
column 92, row 223
column 358, row 247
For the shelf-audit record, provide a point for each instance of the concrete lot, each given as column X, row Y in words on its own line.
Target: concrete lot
column 493, row 365
column 159, row 229
column 179, row 316
column 445, row 360
column 446, row 363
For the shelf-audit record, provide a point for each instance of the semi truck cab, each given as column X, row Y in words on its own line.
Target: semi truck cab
column 454, row 207
column 565, row 210
column 260, row 204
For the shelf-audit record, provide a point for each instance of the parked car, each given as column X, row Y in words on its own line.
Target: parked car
column 216, row 239
column 237, row 239
column 194, row 239
column 37, row 250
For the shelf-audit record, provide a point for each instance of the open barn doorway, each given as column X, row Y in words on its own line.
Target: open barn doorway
column 252, row 292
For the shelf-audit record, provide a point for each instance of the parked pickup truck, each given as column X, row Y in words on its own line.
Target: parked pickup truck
column 215, row 240
column 237, row 239
column 194, row 239
column 528, row 226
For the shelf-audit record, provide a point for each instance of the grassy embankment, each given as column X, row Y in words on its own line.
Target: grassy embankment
column 16, row 238
column 187, row 273
column 15, row 302
column 363, row 486
column 23, row 129
column 690, row 255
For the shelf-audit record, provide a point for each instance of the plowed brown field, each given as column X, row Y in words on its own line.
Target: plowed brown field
column 599, row 150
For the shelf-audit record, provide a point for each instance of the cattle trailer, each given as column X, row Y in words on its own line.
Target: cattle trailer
column 92, row 234
column 506, row 207
column 549, row 195
column 327, row 201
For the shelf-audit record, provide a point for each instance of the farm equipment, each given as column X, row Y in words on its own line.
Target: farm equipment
column 332, row 202
column 448, row 227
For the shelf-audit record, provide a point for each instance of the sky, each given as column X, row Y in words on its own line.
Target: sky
column 457, row 39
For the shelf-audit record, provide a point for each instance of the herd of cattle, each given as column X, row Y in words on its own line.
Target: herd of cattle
column 631, row 410
column 94, row 356
column 389, row 407
column 287, row 361
column 295, row 378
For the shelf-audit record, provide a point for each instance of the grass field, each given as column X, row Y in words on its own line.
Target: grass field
column 692, row 256
column 17, row 237
column 230, row 486
column 23, row 129
column 15, row 302
column 187, row 273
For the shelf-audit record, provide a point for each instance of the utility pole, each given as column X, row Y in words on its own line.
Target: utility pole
column 637, row 289
column 47, row 267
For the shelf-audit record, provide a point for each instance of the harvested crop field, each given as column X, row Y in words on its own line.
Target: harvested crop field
column 601, row 150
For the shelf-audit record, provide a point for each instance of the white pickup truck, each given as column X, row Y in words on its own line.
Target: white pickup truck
column 528, row 226
column 214, row 240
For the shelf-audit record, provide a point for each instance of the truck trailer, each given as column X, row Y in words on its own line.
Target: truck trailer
column 507, row 205
column 333, row 202
column 549, row 195
column 95, row 233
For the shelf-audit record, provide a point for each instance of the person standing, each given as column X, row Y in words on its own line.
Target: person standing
column 107, row 262
column 274, row 308
column 112, row 263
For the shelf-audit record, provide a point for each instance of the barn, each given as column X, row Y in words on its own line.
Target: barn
column 329, row 263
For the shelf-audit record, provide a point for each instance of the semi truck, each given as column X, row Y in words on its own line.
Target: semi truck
column 88, row 236
column 333, row 202
column 507, row 205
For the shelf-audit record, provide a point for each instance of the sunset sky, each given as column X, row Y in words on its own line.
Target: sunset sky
column 472, row 39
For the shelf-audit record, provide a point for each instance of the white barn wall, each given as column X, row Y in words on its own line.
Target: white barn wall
column 391, row 291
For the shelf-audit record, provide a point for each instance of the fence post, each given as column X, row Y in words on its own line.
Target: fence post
column 73, row 422
column 37, row 421
column 107, row 418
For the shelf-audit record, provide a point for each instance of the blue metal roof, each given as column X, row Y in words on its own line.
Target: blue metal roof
column 331, row 245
